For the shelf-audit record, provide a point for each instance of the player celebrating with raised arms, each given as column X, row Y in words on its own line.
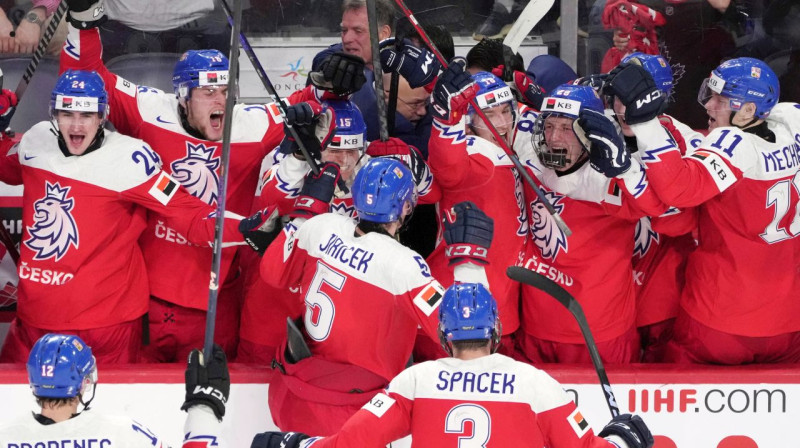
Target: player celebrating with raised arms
column 62, row 373
column 365, row 294
column 738, row 305
column 434, row 400
column 185, row 128
column 560, row 147
column 84, row 202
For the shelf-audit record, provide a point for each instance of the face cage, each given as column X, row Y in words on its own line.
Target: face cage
column 539, row 142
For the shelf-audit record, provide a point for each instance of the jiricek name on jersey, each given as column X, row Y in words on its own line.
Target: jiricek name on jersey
column 355, row 257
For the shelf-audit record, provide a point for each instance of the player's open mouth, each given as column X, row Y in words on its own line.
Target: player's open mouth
column 216, row 118
column 76, row 140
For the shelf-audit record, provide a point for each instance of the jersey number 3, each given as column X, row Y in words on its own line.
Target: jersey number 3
column 320, row 309
column 456, row 420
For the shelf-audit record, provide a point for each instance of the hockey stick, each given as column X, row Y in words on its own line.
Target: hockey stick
column 530, row 278
column 530, row 16
column 248, row 50
column 216, row 261
column 500, row 140
column 372, row 18
column 40, row 49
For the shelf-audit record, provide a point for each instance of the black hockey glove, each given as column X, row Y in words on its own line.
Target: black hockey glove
column 596, row 82
column 314, row 125
column 85, row 14
column 277, row 439
column 607, row 152
column 468, row 233
column 261, row 229
column 635, row 88
column 209, row 383
column 454, row 89
column 631, row 429
column 317, row 192
column 417, row 65
column 340, row 73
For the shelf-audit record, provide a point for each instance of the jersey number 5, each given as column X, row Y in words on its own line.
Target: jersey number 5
column 456, row 419
column 320, row 309
column 780, row 196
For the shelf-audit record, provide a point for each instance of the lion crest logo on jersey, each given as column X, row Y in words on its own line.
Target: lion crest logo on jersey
column 197, row 172
column 53, row 230
column 546, row 234
column 644, row 237
column 522, row 218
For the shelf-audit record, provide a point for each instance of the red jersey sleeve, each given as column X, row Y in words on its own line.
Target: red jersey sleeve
column 83, row 50
column 10, row 169
column 684, row 181
column 451, row 162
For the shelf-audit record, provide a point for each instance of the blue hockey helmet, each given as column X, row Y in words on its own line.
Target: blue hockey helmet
column 381, row 189
column 566, row 100
column 743, row 80
column 79, row 91
column 351, row 131
column 468, row 312
column 58, row 365
column 657, row 66
column 197, row 68
column 492, row 92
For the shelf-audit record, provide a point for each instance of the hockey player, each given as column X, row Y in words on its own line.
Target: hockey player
column 738, row 305
column 185, row 128
column 63, row 375
column 365, row 293
column 659, row 258
column 86, row 194
column 602, row 214
column 508, row 403
column 347, row 147
column 472, row 167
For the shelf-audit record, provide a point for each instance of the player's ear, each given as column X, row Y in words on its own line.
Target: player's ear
column 384, row 32
column 748, row 111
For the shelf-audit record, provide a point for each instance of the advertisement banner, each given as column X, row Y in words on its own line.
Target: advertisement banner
column 699, row 407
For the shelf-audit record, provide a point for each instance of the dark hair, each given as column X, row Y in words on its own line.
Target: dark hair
column 383, row 8
column 55, row 402
column 370, row 226
column 488, row 54
column 440, row 37
column 471, row 344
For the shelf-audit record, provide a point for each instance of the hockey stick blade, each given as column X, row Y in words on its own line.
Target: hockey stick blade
column 530, row 16
column 554, row 290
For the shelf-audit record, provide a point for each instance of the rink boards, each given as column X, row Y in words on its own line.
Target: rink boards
column 704, row 407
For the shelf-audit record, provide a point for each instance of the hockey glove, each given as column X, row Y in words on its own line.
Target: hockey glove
column 261, row 229
column 607, row 152
column 85, row 14
column 417, row 65
column 208, row 383
column 277, row 439
column 596, row 82
column 340, row 73
column 637, row 91
column 454, row 89
column 8, row 105
column 400, row 150
column 315, row 126
column 631, row 429
column 527, row 90
column 317, row 192
column 468, row 233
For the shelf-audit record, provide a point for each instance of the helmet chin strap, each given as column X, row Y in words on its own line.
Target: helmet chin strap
column 62, row 143
column 87, row 403
column 183, row 114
